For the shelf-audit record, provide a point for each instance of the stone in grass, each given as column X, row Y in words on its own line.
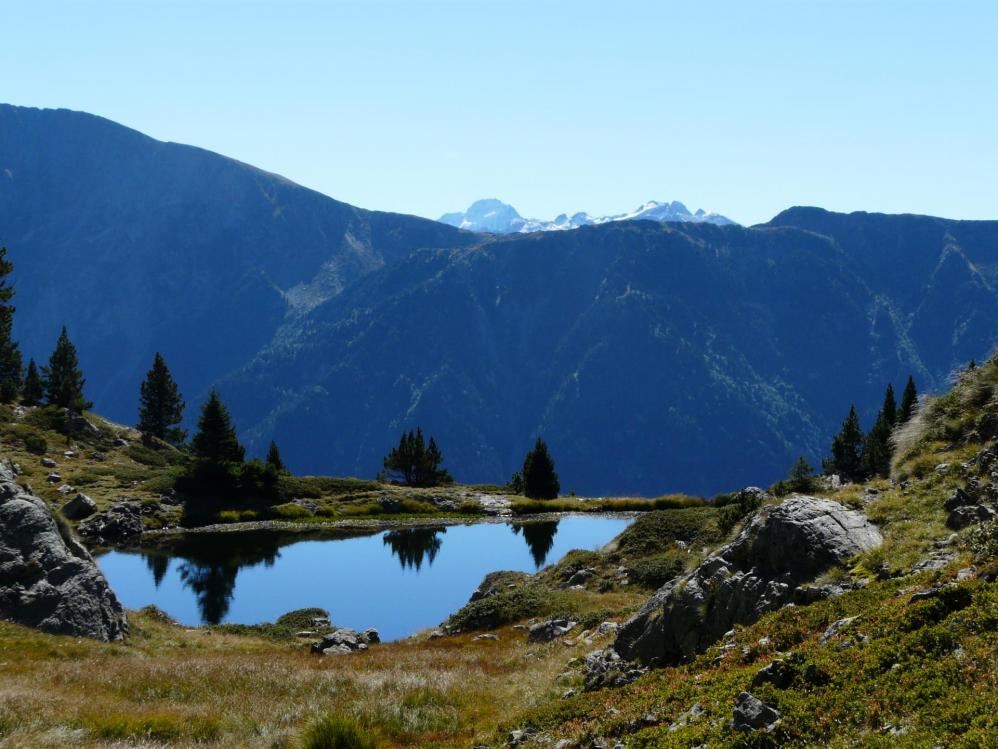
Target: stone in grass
column 967, row 515
column 752, row 714
column 550, row 630
column 779, row 673
column 79, row 507
column 345, row 640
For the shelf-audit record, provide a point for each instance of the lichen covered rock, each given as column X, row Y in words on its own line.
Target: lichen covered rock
column 782, row 547
column 47, row 579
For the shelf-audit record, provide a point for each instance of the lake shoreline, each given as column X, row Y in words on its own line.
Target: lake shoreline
column 360, row 526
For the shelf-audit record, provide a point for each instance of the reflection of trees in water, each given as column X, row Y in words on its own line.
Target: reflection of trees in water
column 413, row 545
column 210, row 563
column 539, row 537
column 158, row 564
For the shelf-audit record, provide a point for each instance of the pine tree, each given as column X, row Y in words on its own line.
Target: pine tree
column 890, row 407
column 33, row 388
column 415, row 463
column 800, row 475
column 847, row 449
column 877, row 450
column 215, row 442
column 62, row 378
column 539, row 478
column 160, row 406
column 274, row 458
column 10, row 354
column 909, row 401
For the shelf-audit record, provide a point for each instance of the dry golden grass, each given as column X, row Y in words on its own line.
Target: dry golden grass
column 178, row 687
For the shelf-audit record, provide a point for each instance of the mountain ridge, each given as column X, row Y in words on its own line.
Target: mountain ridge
column 625, row 344
column 492, row 215
column 170, row 247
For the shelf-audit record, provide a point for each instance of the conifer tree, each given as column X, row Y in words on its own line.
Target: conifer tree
column 909, row 401
column 539, row 478
column 62, row 378
column 847, row 449
column 33, row 388
column 10, row 354
column 890, row 407
column 215, row 442
column 274, row 458
column 415, row 463
column 877, row 449
column 161, row 407
column 800, row 475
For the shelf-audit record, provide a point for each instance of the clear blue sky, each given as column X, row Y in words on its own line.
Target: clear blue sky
column 742, row 107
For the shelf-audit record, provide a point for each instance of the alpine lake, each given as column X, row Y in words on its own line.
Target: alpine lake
column 398, row 581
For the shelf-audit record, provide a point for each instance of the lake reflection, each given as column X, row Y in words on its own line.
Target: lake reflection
column 398, row 581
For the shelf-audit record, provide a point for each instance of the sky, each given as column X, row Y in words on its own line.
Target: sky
column 422, row 107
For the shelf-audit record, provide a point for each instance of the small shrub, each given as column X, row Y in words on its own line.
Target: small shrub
column 735, row 507
column 656, row 571
column 36, row 444
column 146, row 456
column 290, row 511
column 655, row 531
column 337, row 732
column 470, row 507
column 504, row 607
column 46, row 418
column 237, row 516
column 161, row 483
column 983, row 541
column 300, row 618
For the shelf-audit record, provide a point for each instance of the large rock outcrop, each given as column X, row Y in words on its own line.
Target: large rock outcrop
column 779, row 549
column 48, row 580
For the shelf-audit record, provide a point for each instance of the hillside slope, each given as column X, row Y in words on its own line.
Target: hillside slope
column 139, row 245
column 901, row 650
column 650, row 357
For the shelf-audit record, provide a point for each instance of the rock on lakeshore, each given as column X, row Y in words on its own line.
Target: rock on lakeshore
column 782, row 547
column 47, row 580
column 345, row 640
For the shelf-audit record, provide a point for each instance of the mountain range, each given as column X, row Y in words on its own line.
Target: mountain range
column 653, row 356
column 491, row 215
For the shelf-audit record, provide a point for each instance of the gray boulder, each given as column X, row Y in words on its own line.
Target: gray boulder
column 79, row 507
column 47, row 580
column 959, row 498
column 345, row 640
column 605, row 668
column 782, row 547
column 120, row 522
column 968, row 515
column 751, row 713
column 550, row 630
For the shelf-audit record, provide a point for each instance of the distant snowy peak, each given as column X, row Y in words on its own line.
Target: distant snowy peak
column 493, row 215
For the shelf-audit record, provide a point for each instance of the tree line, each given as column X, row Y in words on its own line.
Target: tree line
column 218, row 459
column 856, row 455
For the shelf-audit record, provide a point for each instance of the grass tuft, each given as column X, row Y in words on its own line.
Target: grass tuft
column 337, row 732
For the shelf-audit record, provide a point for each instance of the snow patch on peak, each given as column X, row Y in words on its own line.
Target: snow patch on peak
column 492, row 215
